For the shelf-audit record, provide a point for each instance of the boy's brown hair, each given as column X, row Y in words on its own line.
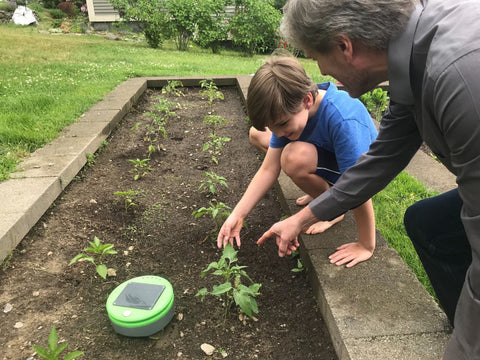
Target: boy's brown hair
column 277, row 89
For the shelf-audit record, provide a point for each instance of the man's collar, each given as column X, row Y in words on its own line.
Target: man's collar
column 399, row 53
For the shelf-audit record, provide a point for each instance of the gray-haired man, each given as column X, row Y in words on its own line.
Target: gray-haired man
column 430, row 53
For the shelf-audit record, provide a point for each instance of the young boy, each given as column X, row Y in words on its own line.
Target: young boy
column 317, row 132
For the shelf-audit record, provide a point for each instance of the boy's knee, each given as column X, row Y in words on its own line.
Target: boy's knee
column 296, row 159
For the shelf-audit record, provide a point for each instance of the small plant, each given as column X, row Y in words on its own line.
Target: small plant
column 210, row 90
column 210, row 182
column 214, row 121
column 376, row 101
column 218, row 211
column 172, row 88
column 299, row 267
column 232, row 290
column 140, row 167
column 94, row 254
column 215, row 146
column 90, row 160
column 128, row 196
column 53, row 351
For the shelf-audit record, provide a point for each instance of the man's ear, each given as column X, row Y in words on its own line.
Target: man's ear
column 344, row 45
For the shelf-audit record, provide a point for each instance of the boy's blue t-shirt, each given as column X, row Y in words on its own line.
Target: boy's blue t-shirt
column 341, row 125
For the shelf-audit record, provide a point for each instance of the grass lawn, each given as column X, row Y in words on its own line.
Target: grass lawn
column 48, row 81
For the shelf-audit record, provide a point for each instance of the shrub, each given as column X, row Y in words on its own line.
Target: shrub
column 254, row 26
column 152, row 16
column 56, row 14
column 68, row 8
column 51, row 4
column 212, row 24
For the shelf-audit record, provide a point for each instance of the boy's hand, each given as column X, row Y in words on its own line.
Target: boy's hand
column 230, row 230
column 350, row 254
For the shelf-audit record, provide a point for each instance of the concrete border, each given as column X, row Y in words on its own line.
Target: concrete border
column 376, row 310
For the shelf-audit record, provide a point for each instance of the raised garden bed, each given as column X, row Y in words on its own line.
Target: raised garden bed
column 158, row 236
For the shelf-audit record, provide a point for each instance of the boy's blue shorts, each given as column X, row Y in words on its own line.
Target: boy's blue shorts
column 327, row 167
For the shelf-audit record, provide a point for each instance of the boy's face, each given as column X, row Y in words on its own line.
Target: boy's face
column 291, row 126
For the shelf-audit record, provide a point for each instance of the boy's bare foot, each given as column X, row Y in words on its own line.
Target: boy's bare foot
column 303, row 200
column 321, row 226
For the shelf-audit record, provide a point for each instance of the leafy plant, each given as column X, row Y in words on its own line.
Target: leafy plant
column 212, row 24
column 94, row 254
column 232, row 290
column 172, row 88
column 151, row 16
column 210, row 182
column 254, row 26
column 218, row 211
column 53, row 351
column 376, row 101
column 210, row 90
column 215, row 146
column 128, row 197
column 140, row 167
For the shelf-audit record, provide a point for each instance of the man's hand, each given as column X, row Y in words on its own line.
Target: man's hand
column 286, row 232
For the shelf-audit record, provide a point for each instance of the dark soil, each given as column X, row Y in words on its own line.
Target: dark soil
column 158, row 236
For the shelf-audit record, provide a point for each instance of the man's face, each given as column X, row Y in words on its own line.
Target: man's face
column 356, row 81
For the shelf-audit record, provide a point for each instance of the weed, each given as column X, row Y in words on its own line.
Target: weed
column 53, row 351
column 232, row 290
column 90, row 160
column 94, row 254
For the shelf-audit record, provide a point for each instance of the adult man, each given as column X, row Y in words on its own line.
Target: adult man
column 430, row 53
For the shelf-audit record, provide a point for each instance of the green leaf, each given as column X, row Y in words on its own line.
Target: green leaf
column 102, row 270
column 59, row 350
column 221, row 289
column 202, row 292
column 230, row 253
column 41, row 351
column 52, row 339
column 243, row 300
column 76, row 258
column 73, row 355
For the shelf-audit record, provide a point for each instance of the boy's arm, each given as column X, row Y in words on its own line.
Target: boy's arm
column 353, row 253
column 263, row 180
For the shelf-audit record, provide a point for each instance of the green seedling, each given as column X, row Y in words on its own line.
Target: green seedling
column 215, row 146
column 214, row 122
column 172, row 88
column 232, row 290
column 90, row 160
column 128, row 197
column 210, row 182
column 53, row 351
column 94, row 254
column 140, row 168
column 299, row 267
column 164, row 106
column 210, row 90
column 218, row 211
